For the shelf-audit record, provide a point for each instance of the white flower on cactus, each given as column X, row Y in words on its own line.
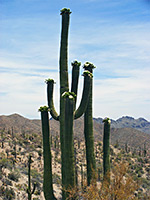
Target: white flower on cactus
column 70, row 97
column 63, row 94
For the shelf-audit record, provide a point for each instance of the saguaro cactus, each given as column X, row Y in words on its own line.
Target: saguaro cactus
column 106, row 149
column 145, row 151
column 68, row 111
column 30, row 193
column 88, row 132
column 47, row 183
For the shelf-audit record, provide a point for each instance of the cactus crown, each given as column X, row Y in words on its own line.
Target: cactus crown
column 65, row 10
column 88, row 65
column 43, row 108
column 47, row 81
column 87, row 73
column 76, row 63
column 69, row 94
column 107, row 120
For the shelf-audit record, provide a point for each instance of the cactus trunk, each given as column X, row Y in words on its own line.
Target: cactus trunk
column 106, row 149
column 88, row 134
column 64, row 86
column 47, row 184
column 69, row 144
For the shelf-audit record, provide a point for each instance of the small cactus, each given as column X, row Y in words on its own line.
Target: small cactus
column 29, row 180
column 145, row 150
column 106, row 149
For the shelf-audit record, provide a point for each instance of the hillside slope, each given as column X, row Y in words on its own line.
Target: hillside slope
column 140, row 124
column 131, row 136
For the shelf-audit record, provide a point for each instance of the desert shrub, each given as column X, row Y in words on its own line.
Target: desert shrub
column 7, row 182
column 3, row 162
column 40, row 153
column 36, row 175
column 139, row 174
column 121, row 187
column 14, row 176
column 140, row 160
column 56, row 179
column 6, row 193
column 111, row 151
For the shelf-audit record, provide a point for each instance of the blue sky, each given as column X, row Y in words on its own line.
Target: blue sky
column 113, row 35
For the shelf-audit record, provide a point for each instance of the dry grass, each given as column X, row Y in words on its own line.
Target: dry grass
column 121, row 187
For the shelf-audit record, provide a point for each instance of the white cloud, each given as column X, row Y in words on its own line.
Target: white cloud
column 123, row 96
column 117, row 46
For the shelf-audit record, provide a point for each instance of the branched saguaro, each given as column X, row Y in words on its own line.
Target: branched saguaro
column 68, row 99
column 29, row 191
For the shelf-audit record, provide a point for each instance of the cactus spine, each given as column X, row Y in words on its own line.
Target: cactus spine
column 88, row 132
column 29, row 180
column 47, row 183
column 106, row 149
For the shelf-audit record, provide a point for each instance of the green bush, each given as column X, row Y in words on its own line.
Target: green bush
column 3, row 163
column 7, row 194
column 7, row 182
column 14, row 176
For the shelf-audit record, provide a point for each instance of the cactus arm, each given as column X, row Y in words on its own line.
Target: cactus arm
column 34, row 187
column 85, row 95
column 75, row 77
column 50, row 87
column 88, row 132
column 106, row 149
column 47, row 183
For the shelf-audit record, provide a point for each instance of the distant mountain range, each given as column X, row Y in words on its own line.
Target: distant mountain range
column 135, row 132
column 140, row 124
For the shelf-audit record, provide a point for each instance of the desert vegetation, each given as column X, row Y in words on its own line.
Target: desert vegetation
column 14, row 175
column 62, row 166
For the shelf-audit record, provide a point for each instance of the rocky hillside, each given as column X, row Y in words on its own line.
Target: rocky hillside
column 20, row 137
column 140, row 124
column 125, row 135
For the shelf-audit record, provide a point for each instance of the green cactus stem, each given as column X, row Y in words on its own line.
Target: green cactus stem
column 88, row 132
column 30, row 193
column 145, row 150
column 47, row 183
column 64, row 85
column 85, row 95
column 126, row 147
column 75, row 77
column 50, row 87
column 106, row 149
column 69, row 141
column 2, row 137
column 76, row 167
